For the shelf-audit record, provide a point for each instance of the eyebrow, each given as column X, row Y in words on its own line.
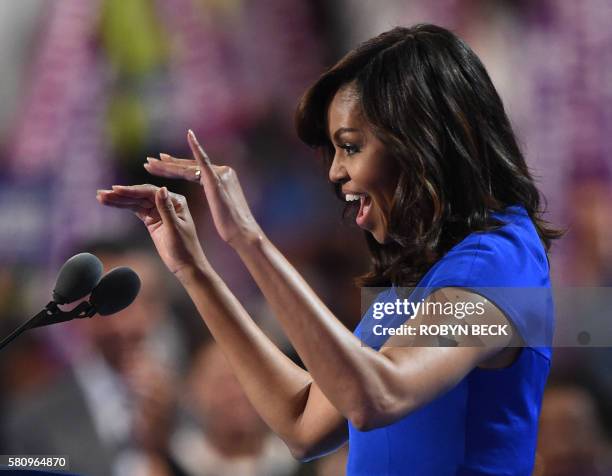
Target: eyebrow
column 343, row 130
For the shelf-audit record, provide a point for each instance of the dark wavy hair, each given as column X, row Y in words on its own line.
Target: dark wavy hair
column 429, row 99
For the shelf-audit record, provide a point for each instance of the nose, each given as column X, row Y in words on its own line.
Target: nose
column 337, row 171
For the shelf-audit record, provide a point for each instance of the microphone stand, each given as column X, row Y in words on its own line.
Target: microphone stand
column 51, row 314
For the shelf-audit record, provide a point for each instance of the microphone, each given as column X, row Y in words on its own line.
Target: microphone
column 79, row 276
column 115, row 291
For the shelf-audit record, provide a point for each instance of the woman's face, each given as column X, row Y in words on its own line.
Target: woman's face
column 368, row 177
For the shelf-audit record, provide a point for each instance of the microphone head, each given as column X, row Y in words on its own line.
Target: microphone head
column 77, row 277
column 115, row 291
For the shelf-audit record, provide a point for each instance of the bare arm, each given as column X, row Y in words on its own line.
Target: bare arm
column 367, row 387
column 282, row 393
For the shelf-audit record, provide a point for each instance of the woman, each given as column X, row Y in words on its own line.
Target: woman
column 420, row 146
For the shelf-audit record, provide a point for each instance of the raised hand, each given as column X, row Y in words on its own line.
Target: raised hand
column 231, row 214
column 167, row 219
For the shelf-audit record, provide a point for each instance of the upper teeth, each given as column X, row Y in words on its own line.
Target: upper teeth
column 352, row 197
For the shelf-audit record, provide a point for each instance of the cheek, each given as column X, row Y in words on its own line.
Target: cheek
column 383, row 198
column 384, row 170
column 374, row 175
column 385, row 185
column 391, row 173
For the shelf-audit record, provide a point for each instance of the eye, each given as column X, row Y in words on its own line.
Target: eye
column 350, row 149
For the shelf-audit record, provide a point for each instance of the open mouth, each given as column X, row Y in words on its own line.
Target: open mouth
column 362, row 203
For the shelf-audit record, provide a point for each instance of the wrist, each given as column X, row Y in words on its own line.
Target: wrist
column 195, row 272
column 247, row 242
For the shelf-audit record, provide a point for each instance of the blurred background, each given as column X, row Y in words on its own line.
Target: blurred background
column 89, row 89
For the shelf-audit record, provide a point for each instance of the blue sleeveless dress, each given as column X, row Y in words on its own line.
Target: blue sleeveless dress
column 487, row 424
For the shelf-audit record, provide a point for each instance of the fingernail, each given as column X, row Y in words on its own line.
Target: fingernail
column 164, row 156
column 164, row 193
column 117, row 186
column 151, row 159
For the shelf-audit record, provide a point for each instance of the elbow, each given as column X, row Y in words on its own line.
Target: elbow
column 301, row 448
column 298, row 452
column 365, row 420
column 379, row 412
column 304, row 453
column 301, row 453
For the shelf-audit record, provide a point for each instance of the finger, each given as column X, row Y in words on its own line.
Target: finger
column 172, row 170
column 112, row 195
column 169, row 158
column 172, row 161
column 196, row 148
column 139, row 211
column 208, row 173
column 138, row 191
column 144, row 196
column 123, row 204
column 135, row 208
column 149, row 216
column 108, row 195
column 165, row 207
